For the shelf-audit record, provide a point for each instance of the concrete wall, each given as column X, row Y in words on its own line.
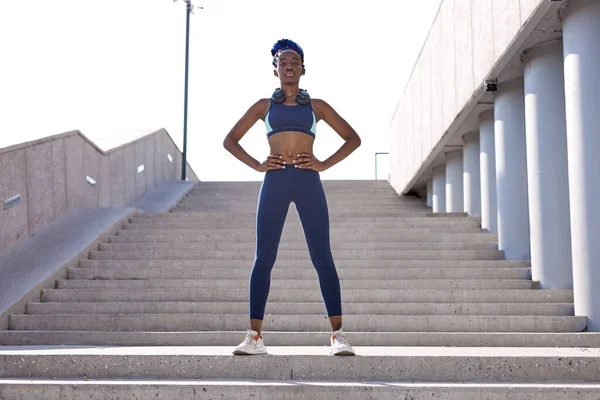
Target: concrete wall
column 51, row 176
column 467, row 40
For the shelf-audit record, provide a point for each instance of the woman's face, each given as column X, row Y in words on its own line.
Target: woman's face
column 289, row 67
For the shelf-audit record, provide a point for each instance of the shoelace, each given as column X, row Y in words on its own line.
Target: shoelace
column 340, row 339
column 249, row 337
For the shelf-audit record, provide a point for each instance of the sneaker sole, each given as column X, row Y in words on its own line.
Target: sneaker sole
column 244, row 353
column 344, row 353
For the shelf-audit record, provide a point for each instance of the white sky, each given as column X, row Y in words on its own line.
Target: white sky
column 114, row 69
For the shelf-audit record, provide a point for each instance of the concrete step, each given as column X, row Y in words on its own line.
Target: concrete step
column 368, row 255
column 333, row 208
column 339, row 212
column 296, row 322
column 331, row 192
column 332, row 196
column 348, row 199
column 314, row 295
column 336, row 195
column 236, row 190
column 438, row 226
column 213, row 186
column 338, row 215
column 251, row 218
column 232, row 338
column 327, row 184
column 248, row 206
column 287, row 230
column 252, row 201
column 286, row 246
column 304, row 273
column 237, row 283
column 360, row 193
column 365, row 190
column 51, row 389
column 227, row 236
column 547, row 309
column 373, row 192
column 294, row 264
column 296, row 225
column 293, row 217
column 253, row 194
column 435, row 364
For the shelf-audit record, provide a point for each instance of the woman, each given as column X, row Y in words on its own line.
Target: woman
column 292, row 175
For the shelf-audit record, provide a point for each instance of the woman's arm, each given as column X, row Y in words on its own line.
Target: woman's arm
column 352, row 141
column 231, row 142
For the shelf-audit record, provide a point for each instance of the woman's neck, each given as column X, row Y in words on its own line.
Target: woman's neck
column 290, row 90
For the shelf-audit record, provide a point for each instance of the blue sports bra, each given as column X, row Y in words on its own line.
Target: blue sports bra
column 298, row 118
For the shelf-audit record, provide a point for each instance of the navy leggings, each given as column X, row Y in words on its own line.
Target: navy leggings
column 278, row 190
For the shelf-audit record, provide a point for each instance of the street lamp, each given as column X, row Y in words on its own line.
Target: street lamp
column 189, row 10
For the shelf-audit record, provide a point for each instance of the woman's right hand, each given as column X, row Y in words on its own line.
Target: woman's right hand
column 273, row 161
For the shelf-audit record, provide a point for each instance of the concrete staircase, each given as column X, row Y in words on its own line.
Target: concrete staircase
column 430, row 305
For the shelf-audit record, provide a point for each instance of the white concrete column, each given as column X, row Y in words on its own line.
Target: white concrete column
column 454, row 181
column 429, row 193
column 581, row 47
column 439, row 189
column 487, row 168
column 471, row 175
column 511, row 170
column 547, row 175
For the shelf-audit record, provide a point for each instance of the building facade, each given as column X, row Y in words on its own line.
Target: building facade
column 498, row 120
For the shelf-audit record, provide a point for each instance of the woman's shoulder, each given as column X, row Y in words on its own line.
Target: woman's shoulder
column 264, row 102
column 320, row 107
column 261, row 106
column 319, row 103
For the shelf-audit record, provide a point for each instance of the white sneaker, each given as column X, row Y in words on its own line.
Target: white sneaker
column 252, row 344
column 340, row 345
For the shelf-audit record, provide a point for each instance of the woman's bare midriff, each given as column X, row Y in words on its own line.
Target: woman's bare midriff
column 289, row 143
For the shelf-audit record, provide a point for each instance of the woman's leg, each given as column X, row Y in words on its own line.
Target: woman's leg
column 312, row 209
column 272, row 210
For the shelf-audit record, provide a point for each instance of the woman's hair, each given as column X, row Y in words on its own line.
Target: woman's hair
column 285, row 44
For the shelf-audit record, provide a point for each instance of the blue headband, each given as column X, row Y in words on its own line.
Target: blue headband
column 285, row 44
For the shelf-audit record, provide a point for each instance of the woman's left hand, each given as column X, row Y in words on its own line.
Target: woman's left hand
column 309, row 161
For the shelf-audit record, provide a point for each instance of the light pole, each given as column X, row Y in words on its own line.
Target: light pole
column 188, row 10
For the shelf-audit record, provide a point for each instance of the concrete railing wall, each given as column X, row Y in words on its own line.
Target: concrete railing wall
column 62, row 172
column 466, row 40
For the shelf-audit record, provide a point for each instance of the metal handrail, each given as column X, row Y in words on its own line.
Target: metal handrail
column 378, row 154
